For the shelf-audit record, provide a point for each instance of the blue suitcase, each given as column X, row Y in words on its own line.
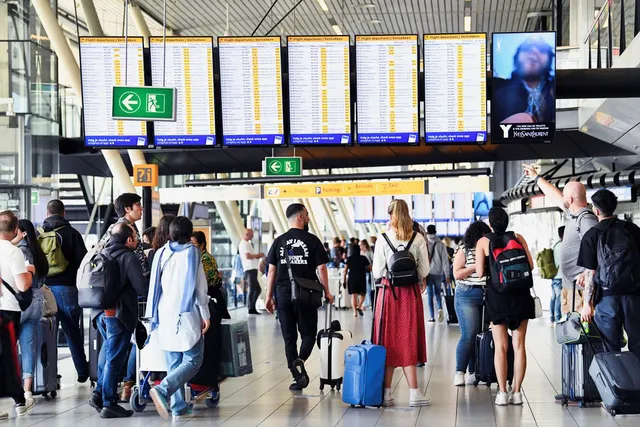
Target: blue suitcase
column 364, row 367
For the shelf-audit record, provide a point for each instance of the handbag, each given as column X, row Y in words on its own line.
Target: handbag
column 50, row 306
column 537, row 303
column 24, row 298
column 302, row 289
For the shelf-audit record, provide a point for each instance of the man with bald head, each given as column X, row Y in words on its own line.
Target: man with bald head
column 250, row 261
column 579, row 219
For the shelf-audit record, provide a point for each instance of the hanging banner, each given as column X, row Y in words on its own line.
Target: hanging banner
column 523, row 103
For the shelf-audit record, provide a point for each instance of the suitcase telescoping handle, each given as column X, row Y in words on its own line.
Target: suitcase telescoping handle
column 328, row 316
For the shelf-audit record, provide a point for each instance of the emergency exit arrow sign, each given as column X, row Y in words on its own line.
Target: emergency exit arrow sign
column 143, row 103
column 283, row 166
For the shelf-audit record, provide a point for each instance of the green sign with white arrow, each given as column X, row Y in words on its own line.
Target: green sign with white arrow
column 143, row 103
column 283, row 166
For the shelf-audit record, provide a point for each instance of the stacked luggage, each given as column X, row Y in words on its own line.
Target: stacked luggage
column 579, row 347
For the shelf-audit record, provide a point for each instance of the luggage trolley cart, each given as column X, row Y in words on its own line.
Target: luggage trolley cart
column 150, row 360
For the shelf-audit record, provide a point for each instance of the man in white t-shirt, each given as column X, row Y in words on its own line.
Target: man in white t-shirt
column 250, row 261
column 16, row 277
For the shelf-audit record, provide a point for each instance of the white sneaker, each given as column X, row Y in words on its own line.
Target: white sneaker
column 440, row 315
column 458, row 379
column 26, row 408
column 418, row 400
column 515, row 398
column 502, row 399
column 388, row 401
column 471, row 379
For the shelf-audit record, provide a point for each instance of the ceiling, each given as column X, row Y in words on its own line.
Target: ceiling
column 208, row 17
column 567, row 144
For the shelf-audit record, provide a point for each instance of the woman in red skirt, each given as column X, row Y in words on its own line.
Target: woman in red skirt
column 401, row 330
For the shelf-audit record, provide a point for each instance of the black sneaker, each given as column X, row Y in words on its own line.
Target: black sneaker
column 83, row 378
column 432, row 320
column 559, row 397
column 300, row 373
column 296, row 386
column 116, row 411
column 95, row 401
column 360, row 312
column 253, row 312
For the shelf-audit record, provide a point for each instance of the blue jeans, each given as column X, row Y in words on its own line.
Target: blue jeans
column 434, row 287
column 181, row 368
column 614, row 312
column 28, row 329
column 468, row 305
column 112, row 357
column 131, row 366
column 69, row 313
column 556, row 300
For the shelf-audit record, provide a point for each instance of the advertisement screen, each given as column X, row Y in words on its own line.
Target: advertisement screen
column 319, row 90
column 482, row 202
column 523, row 103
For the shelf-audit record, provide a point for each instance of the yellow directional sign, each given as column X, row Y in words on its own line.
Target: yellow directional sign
column 347, row 189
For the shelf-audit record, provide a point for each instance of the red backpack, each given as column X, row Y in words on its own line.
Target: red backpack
column 510, row 271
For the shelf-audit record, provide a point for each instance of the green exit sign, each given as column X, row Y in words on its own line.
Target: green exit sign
column 283, row 166
column 143, row 103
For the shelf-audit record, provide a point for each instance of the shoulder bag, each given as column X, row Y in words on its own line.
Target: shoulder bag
column 24, row 298
column 302, row 289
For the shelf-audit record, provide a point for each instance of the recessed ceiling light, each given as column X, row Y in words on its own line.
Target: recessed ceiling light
column 467, row 24
column 367, row 6
column 337, row 30
column 323, row 5
column 374, row 21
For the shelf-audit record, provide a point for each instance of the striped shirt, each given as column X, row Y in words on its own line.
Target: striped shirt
column 472, row 280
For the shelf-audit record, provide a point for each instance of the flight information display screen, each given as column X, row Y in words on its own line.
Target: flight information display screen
column 187, row 65
column 251, row 90
column 455, row 74
column 319, row 90
column 103, row 65
column 387, row 89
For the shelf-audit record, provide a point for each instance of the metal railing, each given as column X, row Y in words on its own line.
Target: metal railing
column 614, row 27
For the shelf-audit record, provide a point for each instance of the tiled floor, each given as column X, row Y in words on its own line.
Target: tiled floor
column 263, row 398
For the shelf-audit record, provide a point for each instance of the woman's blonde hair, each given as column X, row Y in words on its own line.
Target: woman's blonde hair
column 401, row 221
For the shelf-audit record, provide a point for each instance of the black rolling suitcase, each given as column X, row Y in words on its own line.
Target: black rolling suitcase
column 46, row 381
column 95, row 344
column 616, row 376
column 450, row 306
column 485, row 351
column 577, row 384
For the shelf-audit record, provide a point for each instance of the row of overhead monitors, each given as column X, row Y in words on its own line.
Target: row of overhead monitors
column 315, row 105
column 427, row 208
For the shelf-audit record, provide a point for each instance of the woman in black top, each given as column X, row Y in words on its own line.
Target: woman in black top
column 356, row 269
column 506, row 310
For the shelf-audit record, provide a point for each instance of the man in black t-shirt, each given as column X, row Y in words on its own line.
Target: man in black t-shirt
column 617, row 306
column 308, row 260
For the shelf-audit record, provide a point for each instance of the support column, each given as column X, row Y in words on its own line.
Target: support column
column 69, row 66
column 228, row 223
column 268, row 206
column 234, row 211
column 345, row 216
column 313, row 226
column 333, row 225
column 141, row 24
column 91, row 16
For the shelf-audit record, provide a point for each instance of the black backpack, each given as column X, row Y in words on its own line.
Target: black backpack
column 100, row 282
column 509, row 264
column 401, row 266
column 618, row 260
